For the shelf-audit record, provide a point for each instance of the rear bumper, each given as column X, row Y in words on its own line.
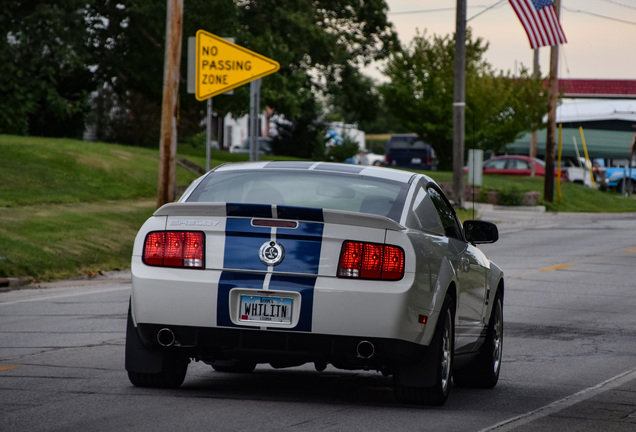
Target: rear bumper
column 284, row 348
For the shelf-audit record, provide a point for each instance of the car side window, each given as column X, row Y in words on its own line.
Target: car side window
column 519, row 164
column 426, row 213
column 446, row 214
column 496, row 164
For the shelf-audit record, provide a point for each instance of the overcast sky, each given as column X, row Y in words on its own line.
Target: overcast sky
column 601, row 34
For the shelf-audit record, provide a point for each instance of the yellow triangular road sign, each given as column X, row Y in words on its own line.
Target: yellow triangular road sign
column 222, row 65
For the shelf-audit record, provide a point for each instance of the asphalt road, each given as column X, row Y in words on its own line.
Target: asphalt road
column 569, row 354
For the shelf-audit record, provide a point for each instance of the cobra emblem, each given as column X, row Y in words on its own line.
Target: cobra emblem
column 271, row 253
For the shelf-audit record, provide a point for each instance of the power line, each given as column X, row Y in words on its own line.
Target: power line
column 486, row 9
column 620, row 4
column 599, row 15
column 433, row 10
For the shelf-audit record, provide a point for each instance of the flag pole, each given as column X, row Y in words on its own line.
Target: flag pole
column 535, row 74
column 553, row 92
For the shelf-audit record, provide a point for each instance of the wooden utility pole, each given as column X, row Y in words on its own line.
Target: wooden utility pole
column 459, row 103
column 168, row 139
column 553, row 92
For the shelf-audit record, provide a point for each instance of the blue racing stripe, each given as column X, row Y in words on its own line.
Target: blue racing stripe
column 302, row 248
column 342, row 168
column 289, row 165
column 242, row 243
column 228, row 281
column 303, row 285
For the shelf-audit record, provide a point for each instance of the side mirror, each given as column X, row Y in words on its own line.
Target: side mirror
column 478, row 231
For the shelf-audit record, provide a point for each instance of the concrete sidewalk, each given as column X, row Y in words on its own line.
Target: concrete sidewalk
column 511, row 219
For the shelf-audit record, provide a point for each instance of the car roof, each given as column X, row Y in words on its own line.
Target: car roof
column 348, row 169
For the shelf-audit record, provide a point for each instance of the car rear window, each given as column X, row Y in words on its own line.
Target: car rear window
column 304, row 188
column 407, row 143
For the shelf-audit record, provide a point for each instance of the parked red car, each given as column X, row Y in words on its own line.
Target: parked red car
column 514, row 165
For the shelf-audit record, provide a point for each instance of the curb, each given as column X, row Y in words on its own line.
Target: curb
column 12, row 282
column 492, row 207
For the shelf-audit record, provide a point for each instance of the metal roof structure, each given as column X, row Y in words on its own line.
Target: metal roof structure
column 609, row 128
column 598, row 88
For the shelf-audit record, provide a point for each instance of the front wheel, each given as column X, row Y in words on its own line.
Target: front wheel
column 443, row 346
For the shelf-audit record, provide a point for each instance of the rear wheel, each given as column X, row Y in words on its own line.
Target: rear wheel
column 628, row 188
column 443, row 344
column 172, row 373
column 152, row 368
column 484, row 371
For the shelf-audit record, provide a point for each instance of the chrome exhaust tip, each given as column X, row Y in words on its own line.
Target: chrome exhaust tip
column 365, row 349
column 165, row 337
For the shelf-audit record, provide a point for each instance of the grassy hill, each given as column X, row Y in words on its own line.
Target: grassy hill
column 69, row 207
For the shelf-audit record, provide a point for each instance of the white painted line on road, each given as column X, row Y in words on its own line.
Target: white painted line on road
column 564, row 403
column 59, row 296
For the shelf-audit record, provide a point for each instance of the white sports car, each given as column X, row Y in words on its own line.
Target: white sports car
column 294, row 262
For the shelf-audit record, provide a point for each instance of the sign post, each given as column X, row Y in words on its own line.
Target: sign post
column 221, row 65
column 255, row 107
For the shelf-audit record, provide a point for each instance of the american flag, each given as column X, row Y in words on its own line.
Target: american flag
column 540, row 21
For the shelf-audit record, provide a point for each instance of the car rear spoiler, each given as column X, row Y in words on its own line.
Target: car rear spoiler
column 280, row 212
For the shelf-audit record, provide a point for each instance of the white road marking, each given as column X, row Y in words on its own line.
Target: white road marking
column 65, row 295
column 564, row 403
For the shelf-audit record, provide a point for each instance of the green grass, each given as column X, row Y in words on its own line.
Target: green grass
column 574, row 197
column 48, row 170
column 53, row 241
column 69, row 207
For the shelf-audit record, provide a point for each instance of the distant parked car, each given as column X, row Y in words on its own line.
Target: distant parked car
column 514, row 166
column 575, row 171
column 367, row 157
column 409, row 151
column 622, row 179
column 264, row 144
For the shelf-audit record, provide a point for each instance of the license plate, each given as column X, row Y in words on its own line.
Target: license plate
column 416, row 161
column 266, row 309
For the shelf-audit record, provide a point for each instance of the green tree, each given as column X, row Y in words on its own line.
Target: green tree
column 44, row 76
column 55, row 55
column 126, row 40
column 321, row 46
column 499, row 107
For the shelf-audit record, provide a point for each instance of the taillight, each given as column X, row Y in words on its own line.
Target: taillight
column 174, row 249
column 371, row 261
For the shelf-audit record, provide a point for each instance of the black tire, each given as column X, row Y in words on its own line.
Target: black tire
column 484, row 371
column 630, row 187
column 173, row 365
column 443, row 343
column 233, row 366
column 172, row 373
